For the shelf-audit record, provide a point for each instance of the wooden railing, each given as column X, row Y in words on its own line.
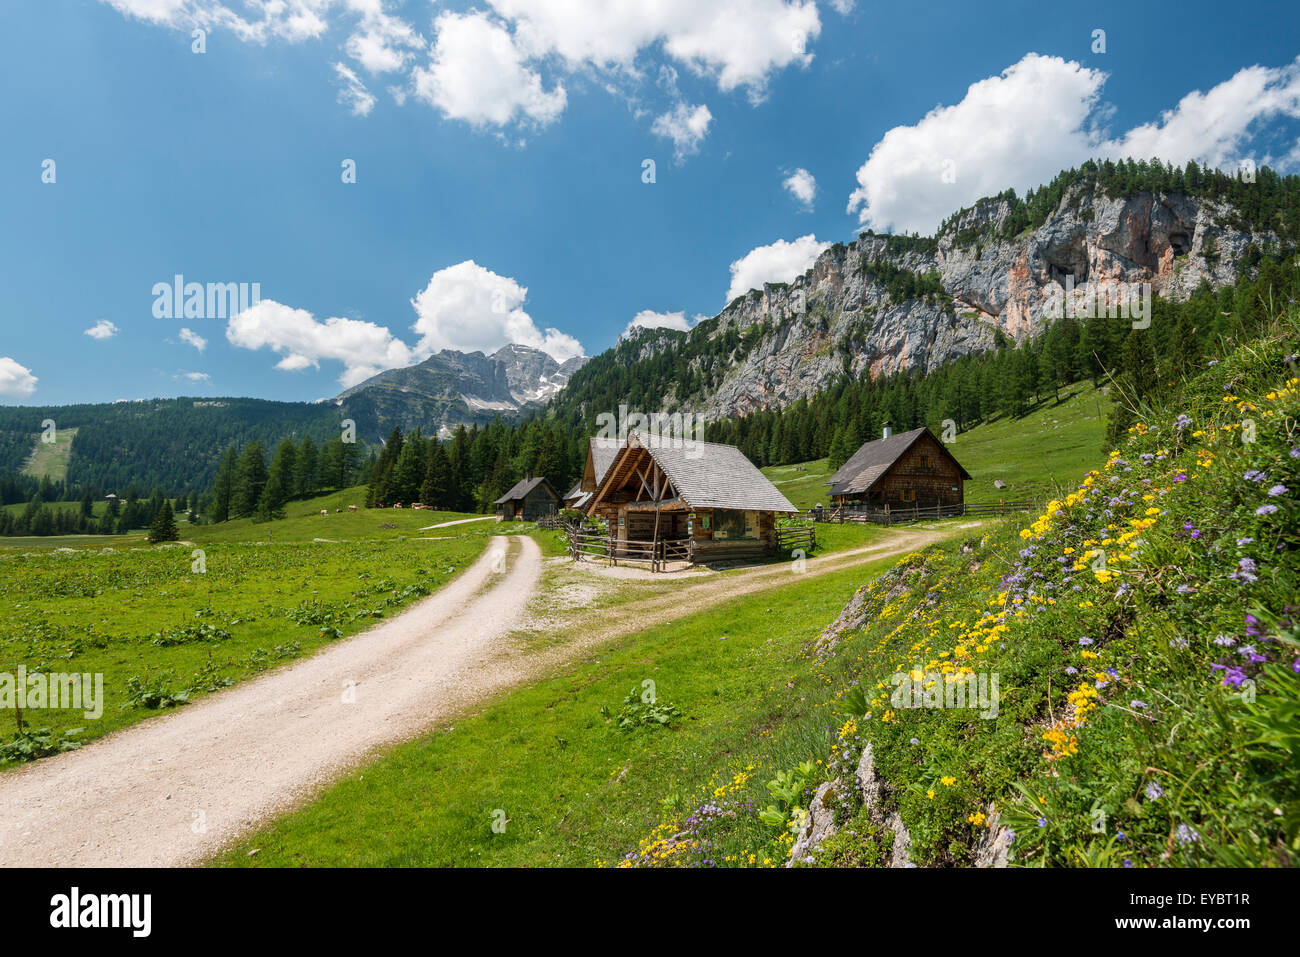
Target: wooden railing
column 802, row 536
column 593, row 542
column 924, row 513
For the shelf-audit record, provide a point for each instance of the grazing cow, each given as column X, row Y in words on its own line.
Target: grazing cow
column 352, row 508
column 324, row 511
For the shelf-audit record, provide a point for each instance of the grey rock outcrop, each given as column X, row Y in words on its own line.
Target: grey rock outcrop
column 837, row 318
column 818, row 825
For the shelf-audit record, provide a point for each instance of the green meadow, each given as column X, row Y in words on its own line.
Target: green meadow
column 166, row 624
column 1034, row 455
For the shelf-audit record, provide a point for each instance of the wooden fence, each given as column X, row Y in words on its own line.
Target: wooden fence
column 924, row 513
column 804, row 536
column 593, row 542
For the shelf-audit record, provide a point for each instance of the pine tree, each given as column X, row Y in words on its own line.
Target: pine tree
column 284, row 469
column 379, row 492
column 250, row 479
column 271, row 503
column 437, row 477
column 408, row 471
column 223, row 491
column 307, row 480
column 163, row 528
column 841, row 449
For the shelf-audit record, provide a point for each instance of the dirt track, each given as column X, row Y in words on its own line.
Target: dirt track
column 174, row 790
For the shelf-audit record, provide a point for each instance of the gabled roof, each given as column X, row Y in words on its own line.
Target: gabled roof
column 601, row 453
column 523, row 487
column 706, row 475
column 577, row 496
column 869, row 464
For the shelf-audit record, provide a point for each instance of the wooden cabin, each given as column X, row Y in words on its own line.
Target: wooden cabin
column 707, row 501
column 908, row 470
column 601, row 453
column 531, row 499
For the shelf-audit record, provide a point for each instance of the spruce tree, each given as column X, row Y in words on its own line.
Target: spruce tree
column 250, row 479
column 437, row 477
column 307, row 479
column 223, row 491
column 271, row 503
column 163, row 528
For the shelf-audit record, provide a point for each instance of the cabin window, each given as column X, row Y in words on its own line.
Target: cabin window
column 926, row 464
column 732, row 524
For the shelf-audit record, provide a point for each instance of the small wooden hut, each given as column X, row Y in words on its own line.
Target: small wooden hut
column 531, row 499
column 908, row 470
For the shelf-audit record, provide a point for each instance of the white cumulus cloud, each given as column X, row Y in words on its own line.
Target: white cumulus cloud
column 16, row 379
column 477, row 74
column 472, row 309
column 381, row 43
column 737, row 43
column 686, row 126
column 103, row 329
column 1215, row 127
column 802, row 185
column 1017, row 129
column 779, row 262
column 1040, row 116
column 190, row 337
column 649, row 319
column 352, row 92
column 503, row 62
column 302, row 340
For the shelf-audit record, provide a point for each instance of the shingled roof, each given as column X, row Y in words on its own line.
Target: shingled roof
column 522, row 488
column 577, row 497
column 709, row 475
column 602, row 451
column 869, row 464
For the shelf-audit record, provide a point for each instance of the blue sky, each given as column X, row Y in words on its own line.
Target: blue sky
column 500, row 148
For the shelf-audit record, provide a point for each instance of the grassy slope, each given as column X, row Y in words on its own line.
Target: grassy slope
column 1144, row 718
column 51, row 458
column 574, row 787
column 1053, row 444
column 101, row 608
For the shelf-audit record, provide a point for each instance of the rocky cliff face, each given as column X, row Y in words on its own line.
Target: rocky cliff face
column 838, row 318
column 532, row 375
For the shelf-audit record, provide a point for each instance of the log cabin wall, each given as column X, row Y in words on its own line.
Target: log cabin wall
column 923, row 476
column 710, row 547
column 538, row 503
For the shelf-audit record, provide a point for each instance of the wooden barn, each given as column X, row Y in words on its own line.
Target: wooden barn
column 704, row 502
column 531, row 499
column 909, row 470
